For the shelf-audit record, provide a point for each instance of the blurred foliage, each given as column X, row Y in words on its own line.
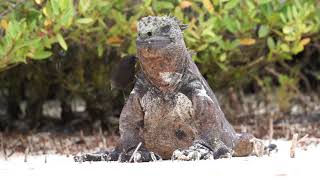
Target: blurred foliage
column 252, row 44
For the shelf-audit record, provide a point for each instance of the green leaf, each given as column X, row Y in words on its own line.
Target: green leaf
column 286, row 56
column 178, row 12
column 230, row 24
column 263, row 31
column 223, row 57
column 283, row 18
column 294, row 12
column 147, row 3
column 287, row 29
column 100, row 49
column 289, row 14
column 64, row 4
column 202, row 47
column 40, row 54
column 222, row 66
column 231, row 4
column 62, row 42
column 250, row 5
column 84, row 20
column 290, row 38
column 66, row 19
column 285, row 47
column 84, row 5
column 271, row 43
column 297, row 48
column 118, row 16
column 13, row 30
column 263, row 1
column 159, row 5
column 55, row 6
column 31, row 42
column 209, row 32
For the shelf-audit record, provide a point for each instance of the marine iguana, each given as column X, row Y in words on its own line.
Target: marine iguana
column 172, row 110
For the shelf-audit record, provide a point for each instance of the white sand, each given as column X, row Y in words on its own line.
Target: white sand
column 280, row 165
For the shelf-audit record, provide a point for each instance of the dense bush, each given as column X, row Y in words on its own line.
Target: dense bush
column 252, row 44
column 233, row 35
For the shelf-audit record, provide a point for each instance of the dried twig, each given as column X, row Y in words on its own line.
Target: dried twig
column 303, row 138
column 3, row 147
column 135, row 151
column 81, row 134
column 102, row 138
column 82, row 138
column 45, row 150
column 45, row 158
column 12, row 152
column 302, row 142
column 270, row 130
column 26, row 152
column 258, row 147
column 294, row 145
column 287, row 128
column 67, row 151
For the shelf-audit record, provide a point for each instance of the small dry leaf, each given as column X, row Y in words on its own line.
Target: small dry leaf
column 305, row 41
column 38, row 1
column 114, row 40
column 208, row 5
column 4, row 24
column 47, row 22
column 185, row 4
column 247, row 41
column 133, row 26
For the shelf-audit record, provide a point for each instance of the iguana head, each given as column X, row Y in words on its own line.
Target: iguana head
column 158, row 32
column 161, row 50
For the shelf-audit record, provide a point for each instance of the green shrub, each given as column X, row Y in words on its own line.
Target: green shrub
column 231, row 36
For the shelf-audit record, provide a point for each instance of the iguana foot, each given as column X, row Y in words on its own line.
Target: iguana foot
column 103, row 156
column 139, row 156
column 90, row 157
column 130, row 156
column 201, row 151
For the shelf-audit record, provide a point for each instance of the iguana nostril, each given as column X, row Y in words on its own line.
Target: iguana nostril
column 149, row 33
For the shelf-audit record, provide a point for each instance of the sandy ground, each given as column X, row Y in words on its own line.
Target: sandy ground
column 279, row 164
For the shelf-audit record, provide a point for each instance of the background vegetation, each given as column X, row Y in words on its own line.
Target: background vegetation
column 63, row 50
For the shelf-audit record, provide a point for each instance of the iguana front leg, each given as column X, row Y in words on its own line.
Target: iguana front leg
column 131, row 130
column 131, row 122
column 216, row 136
column 99, row 156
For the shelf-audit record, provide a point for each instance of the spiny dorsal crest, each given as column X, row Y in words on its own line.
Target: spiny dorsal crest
column 152, row 23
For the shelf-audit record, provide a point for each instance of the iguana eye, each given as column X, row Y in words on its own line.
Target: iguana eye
column 165, row 29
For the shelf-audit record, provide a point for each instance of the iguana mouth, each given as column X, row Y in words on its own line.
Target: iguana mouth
column 153, row 42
